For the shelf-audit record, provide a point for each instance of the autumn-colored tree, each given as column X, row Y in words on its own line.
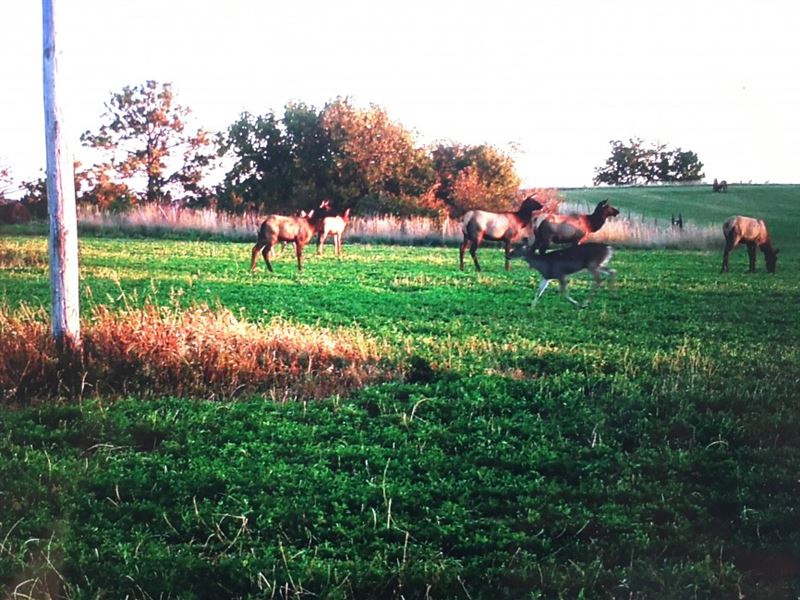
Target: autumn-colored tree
column 98, row 187
column 6, row 181
column 472, row 177
column 147, row 146
column 376, row 162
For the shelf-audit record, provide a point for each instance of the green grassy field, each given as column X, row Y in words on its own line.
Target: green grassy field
column 778, row 205
column 645, row 447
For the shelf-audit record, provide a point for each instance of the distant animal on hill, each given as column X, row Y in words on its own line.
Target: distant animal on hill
column 557, row 265
column 570, row 229
column 754, row 233
column 507, row 227
column 719, row 186
column 278, row 228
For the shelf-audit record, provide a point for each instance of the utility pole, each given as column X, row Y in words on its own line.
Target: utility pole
column 63, row 241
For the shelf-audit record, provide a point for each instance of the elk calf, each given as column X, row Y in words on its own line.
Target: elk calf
column 334, row 227
column 557, row 265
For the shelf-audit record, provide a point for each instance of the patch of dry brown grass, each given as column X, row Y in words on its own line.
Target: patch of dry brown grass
column 14, row 255
column 196, row 352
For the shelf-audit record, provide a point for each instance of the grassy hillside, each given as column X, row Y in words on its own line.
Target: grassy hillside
column 779, row 205
column 645, row 447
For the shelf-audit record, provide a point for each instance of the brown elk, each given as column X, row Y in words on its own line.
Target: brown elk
column 277, row 228
column 571, row 229
column 754, row 233
column 331, row 225
column 507, row 227
column 557, row 265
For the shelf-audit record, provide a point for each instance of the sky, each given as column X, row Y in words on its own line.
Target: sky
column 550, row 82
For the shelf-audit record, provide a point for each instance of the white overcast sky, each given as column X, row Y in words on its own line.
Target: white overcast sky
column 550, row 82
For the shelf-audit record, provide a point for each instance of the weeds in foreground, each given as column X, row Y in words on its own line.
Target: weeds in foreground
column 156, row 351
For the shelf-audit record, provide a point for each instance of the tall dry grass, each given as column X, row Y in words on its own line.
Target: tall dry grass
column 197, row 352
column 632, row 230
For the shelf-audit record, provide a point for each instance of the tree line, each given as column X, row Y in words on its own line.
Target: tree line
column 147, row 151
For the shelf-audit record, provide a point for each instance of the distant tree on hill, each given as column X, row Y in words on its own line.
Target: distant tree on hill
column 147, row 146
column 635, row 163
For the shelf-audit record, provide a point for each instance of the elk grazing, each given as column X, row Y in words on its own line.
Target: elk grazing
column 754, row 233
column 571, row 229
column 277, row 228
column 331, row 225
column 719, row 186
column 477, row 225
column 557, row 265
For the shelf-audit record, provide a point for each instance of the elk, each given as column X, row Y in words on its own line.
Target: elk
column 477, row 225
column 754, row 233
column 557, row 265
column 278, row 228
column 719, row 186
column 332, row 225
column 570, row 229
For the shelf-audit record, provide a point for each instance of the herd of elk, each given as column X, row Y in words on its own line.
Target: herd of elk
column 507, row 227
column 299, row 231
column 754, row 233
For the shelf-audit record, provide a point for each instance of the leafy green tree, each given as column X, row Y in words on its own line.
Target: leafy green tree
column 281, row 164
column 634, row 163
column 261, row 175
column 147, row 145
column 357, row 158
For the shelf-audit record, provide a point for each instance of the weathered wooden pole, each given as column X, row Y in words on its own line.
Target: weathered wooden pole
column 63, row 243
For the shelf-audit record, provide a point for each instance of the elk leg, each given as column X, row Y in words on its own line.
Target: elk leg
column 508, row 251
column 540, row 291
column 337, row 244
column 730, row 244
column 751, row 253
column 562, row 285
column 265, row 252
column 298, row 248
column 461, row 250
column 254, row 258
column 473, row 250
column 611, row 275
column 320, row 242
